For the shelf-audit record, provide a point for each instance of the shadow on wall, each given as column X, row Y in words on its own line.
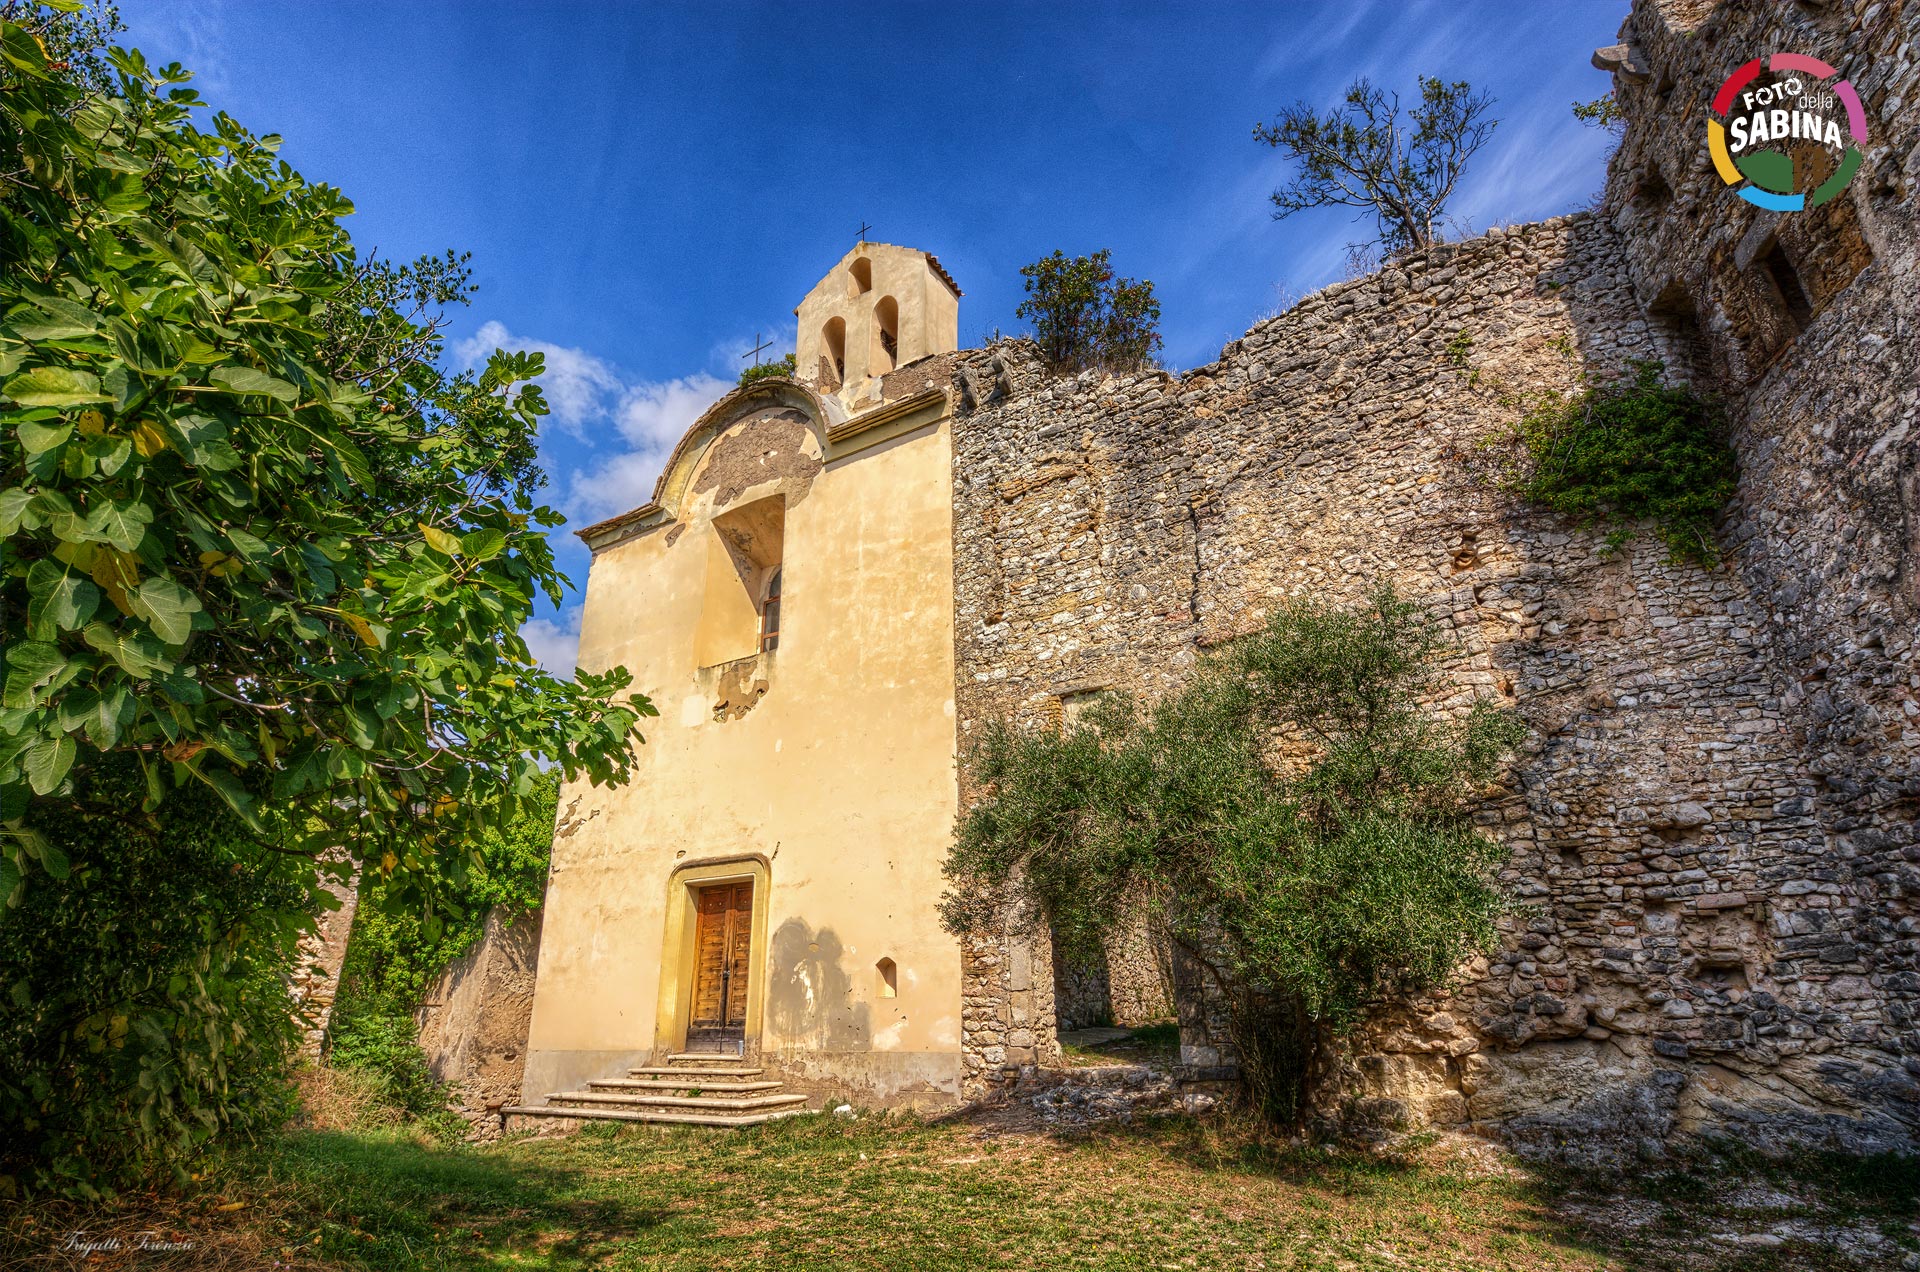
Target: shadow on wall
column 810, row 1000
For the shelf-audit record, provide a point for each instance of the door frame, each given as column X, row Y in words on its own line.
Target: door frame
column 678, row 956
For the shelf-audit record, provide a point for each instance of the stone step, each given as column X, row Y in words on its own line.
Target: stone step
column 638, row 1099
column 689, row 1072
column 662, row 1116
column 718, row 1058
column 689, row 1084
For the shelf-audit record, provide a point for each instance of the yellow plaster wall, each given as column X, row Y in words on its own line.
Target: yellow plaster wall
column 840, row 778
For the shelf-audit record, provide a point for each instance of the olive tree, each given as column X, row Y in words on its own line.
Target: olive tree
column 1400, row 167
column 1298, row 820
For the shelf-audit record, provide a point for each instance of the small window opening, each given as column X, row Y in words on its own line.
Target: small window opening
column 889, row 978
column 886, row 335
column 770, row 614
column 1679, row 338
column 1652, row 191
column 860, row 277
column 1786, row 284
column 835, row 335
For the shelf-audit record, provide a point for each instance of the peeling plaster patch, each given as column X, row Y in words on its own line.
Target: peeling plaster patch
column 772, row 446
column 739, row 691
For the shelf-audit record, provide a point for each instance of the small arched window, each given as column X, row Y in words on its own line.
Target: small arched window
column 770, row 614
column 889, row 978
column 886, row 335
column 835, row 335
column 859, row 277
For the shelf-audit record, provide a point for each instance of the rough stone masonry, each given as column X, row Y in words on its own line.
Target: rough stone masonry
column 1712, row 826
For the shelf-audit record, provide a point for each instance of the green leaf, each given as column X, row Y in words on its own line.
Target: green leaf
column 22, row 51
column 363, row 728
column 57, row 601
column 53, row 860
column 244, row 379
column 55, row 386
column 167, row 607
column 46, row 763
column 233, row 793
column 65, row 320
column 147, row 350
column 38, row 437
column 136, row 653
column 111, row 715
column 482, row 545
column 30, row 664
column 121, row 522
column 440, row 540
column 14, row 513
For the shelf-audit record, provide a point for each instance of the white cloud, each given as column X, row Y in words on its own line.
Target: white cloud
column 554, row 645
column 576, row 383
column 652, row 417
column 648, row 416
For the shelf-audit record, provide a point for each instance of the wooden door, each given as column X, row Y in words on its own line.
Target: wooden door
column 723, row 937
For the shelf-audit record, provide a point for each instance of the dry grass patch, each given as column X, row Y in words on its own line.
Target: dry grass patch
column 900, row 1193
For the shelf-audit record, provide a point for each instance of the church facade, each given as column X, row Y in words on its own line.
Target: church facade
column 767, row 885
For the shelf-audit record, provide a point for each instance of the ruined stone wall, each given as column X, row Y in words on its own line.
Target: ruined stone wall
column 1128, row 982
column 473, row 1021
column 322, row 952
column 1664, row 820
column 1827, row 532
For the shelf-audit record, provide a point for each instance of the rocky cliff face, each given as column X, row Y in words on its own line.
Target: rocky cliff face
column 1713, row 826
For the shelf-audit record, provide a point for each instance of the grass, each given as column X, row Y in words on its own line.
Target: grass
column 1149, row 1044
column 875, row 1192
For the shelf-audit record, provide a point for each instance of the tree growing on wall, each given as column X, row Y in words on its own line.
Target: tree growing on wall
column 257, row 547
column 1083, row 316
column 1298, row 818
column 1399, row 166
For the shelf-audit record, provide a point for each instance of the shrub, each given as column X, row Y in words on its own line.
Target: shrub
column 396, row 952
column 1630, row 450
column 782, row 367
column 1293, row 814
column 143, row 1005
column 1085, row 317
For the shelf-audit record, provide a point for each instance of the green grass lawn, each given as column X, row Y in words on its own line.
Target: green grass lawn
column 876, row 1192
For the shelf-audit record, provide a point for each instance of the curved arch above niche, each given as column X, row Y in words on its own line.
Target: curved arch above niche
column 671, row 491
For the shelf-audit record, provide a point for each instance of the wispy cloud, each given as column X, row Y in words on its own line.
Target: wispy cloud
column 194, row 35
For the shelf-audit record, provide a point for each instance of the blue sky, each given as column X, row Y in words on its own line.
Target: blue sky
column 645, row 186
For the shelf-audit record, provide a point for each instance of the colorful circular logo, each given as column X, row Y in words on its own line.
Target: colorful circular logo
column 1783, row 136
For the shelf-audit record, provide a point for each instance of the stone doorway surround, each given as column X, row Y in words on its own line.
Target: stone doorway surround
column 679, row 953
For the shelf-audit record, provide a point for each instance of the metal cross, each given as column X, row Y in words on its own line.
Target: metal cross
column 864, row 227
column 754, row 352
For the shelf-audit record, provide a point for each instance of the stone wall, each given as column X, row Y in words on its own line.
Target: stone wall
column 1689, row 880
column 322, row 952
column 473, row 1022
